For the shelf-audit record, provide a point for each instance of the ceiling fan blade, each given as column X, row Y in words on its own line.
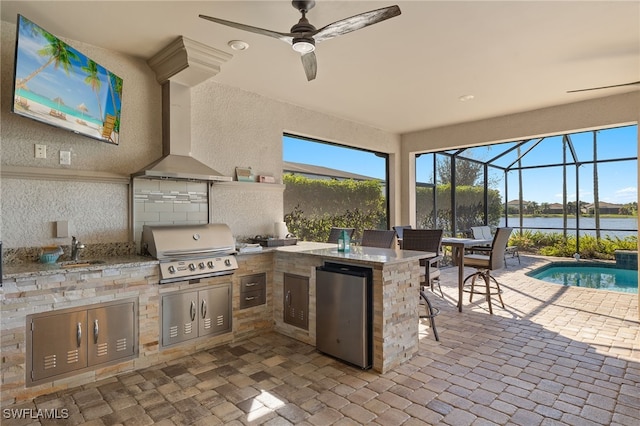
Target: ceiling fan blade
column 286, row 37
column 356, row 22
column 605, row 87
column 310, row 65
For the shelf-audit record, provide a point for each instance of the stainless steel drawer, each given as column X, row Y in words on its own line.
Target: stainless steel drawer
column 253, row 290
column 252, row 298
column 253, row 282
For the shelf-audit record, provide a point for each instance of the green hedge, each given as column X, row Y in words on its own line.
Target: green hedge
column 469, row 211
column 313, row 206
column 555, row 244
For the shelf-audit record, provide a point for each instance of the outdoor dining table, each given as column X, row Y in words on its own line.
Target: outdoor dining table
column 458, row 245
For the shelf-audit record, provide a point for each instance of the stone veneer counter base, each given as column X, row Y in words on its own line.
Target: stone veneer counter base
column 396, row 281
column 31, row 288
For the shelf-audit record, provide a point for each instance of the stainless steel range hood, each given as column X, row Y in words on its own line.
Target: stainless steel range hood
column 181, row 65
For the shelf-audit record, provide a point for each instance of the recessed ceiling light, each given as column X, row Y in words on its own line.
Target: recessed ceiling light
column 238, row 45
column 465, row 98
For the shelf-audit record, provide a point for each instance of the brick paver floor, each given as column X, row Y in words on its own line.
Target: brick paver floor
column 553, row 356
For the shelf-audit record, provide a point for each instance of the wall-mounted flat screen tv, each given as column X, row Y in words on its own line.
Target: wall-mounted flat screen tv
column 57, row 85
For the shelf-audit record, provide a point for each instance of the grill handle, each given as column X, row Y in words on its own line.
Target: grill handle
column 220, row 250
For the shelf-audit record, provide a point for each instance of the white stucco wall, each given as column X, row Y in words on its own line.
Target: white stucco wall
column 140, row 133
column 95, row 211
column 230, row 128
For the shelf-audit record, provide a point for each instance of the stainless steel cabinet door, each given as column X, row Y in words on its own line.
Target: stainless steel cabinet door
column 59, row 344
column 296, row 300
column 214, row 310
column 111, row 333
column 179, row 317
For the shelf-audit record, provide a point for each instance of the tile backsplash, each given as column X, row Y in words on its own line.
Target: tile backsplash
column 168, row 202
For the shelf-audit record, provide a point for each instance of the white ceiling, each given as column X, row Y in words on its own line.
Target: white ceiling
column 401, row 75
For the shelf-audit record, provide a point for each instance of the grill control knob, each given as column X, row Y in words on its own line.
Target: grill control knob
column 192, row 267
column 210, row 264
column 172, row 269
column 227, row 262
column 201, row 265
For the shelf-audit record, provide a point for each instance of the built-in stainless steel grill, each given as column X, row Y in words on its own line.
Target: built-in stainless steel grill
column 188, row 252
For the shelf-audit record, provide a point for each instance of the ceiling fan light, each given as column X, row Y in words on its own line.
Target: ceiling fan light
column 303, row 47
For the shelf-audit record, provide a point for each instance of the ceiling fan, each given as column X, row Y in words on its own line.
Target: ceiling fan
column 304, row 36
column 633, row 83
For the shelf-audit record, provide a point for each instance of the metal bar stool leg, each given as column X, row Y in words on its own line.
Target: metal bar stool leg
column 488, row 294
column 431, row 314
column 498, row 289
column 439, row 288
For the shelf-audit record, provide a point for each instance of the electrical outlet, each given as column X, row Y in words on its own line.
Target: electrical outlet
column 65, row 157
column 41, row 151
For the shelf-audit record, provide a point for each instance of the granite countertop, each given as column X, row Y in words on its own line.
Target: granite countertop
column 300, row 246
column 355, row 254
column 325, row 250
column 30, row 269
column 370, row 254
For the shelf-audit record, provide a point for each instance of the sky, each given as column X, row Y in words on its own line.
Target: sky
column 617, row 180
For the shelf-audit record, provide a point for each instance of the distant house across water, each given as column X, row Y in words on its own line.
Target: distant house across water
column 556, row 208
column 605, row 208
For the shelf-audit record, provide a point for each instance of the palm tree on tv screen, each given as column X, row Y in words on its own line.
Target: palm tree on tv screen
column 93, row 80
column 58, row 52
column 115, row 86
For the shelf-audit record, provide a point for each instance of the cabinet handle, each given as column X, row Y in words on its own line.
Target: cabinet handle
column 79, row 334
column 203, row 308
column 250, row 284
column 96, row 331
column 192, row 311
column 250, row 298
column 288, row 298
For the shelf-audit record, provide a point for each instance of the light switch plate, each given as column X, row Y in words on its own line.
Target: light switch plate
column 62, row 229
column 65, row 157
column 40, row 151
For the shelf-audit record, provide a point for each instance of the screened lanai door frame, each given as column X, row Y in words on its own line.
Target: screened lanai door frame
column 570, row 164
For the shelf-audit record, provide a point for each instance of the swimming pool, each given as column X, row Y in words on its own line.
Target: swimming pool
column 601, row 276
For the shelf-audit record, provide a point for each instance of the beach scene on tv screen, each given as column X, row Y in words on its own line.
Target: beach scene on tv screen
column 58, row 85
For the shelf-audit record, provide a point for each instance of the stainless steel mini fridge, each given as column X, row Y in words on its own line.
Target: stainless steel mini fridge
column 344, row 311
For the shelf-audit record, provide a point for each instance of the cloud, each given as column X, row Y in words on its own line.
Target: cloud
column 625, row 195
column 628, row 190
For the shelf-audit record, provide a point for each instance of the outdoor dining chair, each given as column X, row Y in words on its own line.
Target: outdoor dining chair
column 426, row 240
column 335, row 233
column 378, row 238
column 484, row 233
column 484, row 264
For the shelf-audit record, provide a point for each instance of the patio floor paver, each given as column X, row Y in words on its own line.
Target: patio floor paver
column 553, row 356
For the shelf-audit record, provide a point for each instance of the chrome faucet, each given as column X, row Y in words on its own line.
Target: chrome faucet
column 76, row 246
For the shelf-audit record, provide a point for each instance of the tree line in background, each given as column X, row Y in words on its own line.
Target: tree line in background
column 313, row 206
column 540, row 209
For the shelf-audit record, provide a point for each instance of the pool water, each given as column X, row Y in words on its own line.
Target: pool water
column 589, row 275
